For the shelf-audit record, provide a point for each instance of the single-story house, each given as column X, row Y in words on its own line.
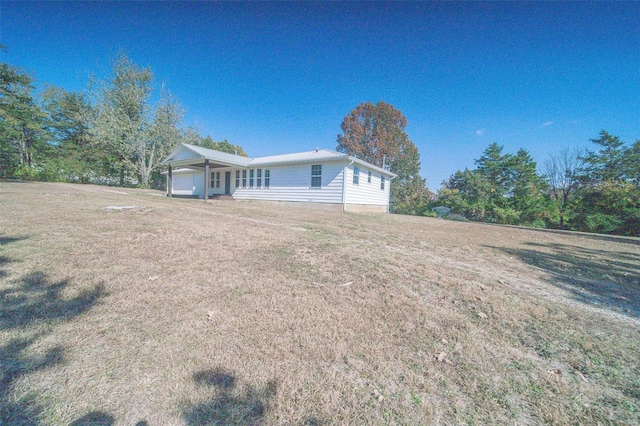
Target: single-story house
column 319, row 176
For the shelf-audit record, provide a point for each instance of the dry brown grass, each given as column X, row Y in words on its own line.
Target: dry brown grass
column 185, row 312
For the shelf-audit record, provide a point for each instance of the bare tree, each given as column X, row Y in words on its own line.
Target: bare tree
column 562, row 171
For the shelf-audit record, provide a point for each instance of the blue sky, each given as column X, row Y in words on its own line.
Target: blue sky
column 280, row 77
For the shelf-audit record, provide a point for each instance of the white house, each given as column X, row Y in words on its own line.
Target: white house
column 320, row 176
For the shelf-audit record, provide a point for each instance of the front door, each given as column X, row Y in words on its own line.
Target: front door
column 227, row 183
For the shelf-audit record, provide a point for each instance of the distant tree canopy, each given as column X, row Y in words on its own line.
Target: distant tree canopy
column 598, row 191
column 111, row 134
column 222, row 146
column 375, row 133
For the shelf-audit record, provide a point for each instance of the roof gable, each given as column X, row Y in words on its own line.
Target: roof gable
column 186, row 151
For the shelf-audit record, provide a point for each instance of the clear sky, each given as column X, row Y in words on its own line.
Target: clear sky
column 280, row 77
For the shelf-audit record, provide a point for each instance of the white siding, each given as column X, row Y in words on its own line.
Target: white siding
column 365, row 192
column 184, row 154
column 293, row 183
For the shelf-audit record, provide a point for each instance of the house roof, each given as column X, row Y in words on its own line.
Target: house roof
column 190, row 155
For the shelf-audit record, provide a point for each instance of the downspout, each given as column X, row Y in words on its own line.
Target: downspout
column 389, row 193
column 344, row 186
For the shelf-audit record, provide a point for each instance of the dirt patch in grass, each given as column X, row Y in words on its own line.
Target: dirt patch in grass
column 186, row 312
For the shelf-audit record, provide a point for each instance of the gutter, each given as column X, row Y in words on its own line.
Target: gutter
column 344, row 186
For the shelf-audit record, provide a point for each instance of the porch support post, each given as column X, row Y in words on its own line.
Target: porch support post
column 169, row 183
column 206, row 179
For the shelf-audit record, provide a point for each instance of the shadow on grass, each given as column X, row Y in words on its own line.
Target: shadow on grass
column 5, row 259
column 229, row 404
column 7, row 240
column 95, row 418
column 608, row 279
column 29, row 310
column 578, row 234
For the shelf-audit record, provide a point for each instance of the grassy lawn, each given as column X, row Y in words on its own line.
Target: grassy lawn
column 225, row 312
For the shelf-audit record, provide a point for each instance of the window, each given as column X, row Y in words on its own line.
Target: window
column 369, row 177
column 237, row 178
column 244, row 178
column 215, row 179
column 356, row 175
column 259, row 178
column 267, row 176
column 381, row 182
column 316, row 176
column 251, row 178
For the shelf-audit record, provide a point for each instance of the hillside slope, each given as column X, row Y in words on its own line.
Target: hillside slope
column 120, row 306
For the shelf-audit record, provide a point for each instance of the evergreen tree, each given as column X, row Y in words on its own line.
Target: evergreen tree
column 73, row 158
column 608, row 163
column 528, row 191
column 609, row 200
column 21, row 124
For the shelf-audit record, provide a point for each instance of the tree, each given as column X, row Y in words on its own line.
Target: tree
column 504, row 188
column 162, row 137
column 606, row 164
column 495, row 167
column 21, row 122
column 611, row 207
column 527, row 190
column 562, row 172
column 137, row 136
column 632, row 163
column 74, row 158
column 467, row 193
column 609, row 200
column 375, row 133
column 222, row 146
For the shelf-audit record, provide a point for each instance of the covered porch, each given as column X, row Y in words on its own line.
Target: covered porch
column 215, row 168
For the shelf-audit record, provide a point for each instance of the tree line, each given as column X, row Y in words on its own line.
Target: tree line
column 109, row 134
column 592, row 191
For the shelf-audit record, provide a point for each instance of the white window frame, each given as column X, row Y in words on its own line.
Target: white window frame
column 356, row 175
column 316, row 176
